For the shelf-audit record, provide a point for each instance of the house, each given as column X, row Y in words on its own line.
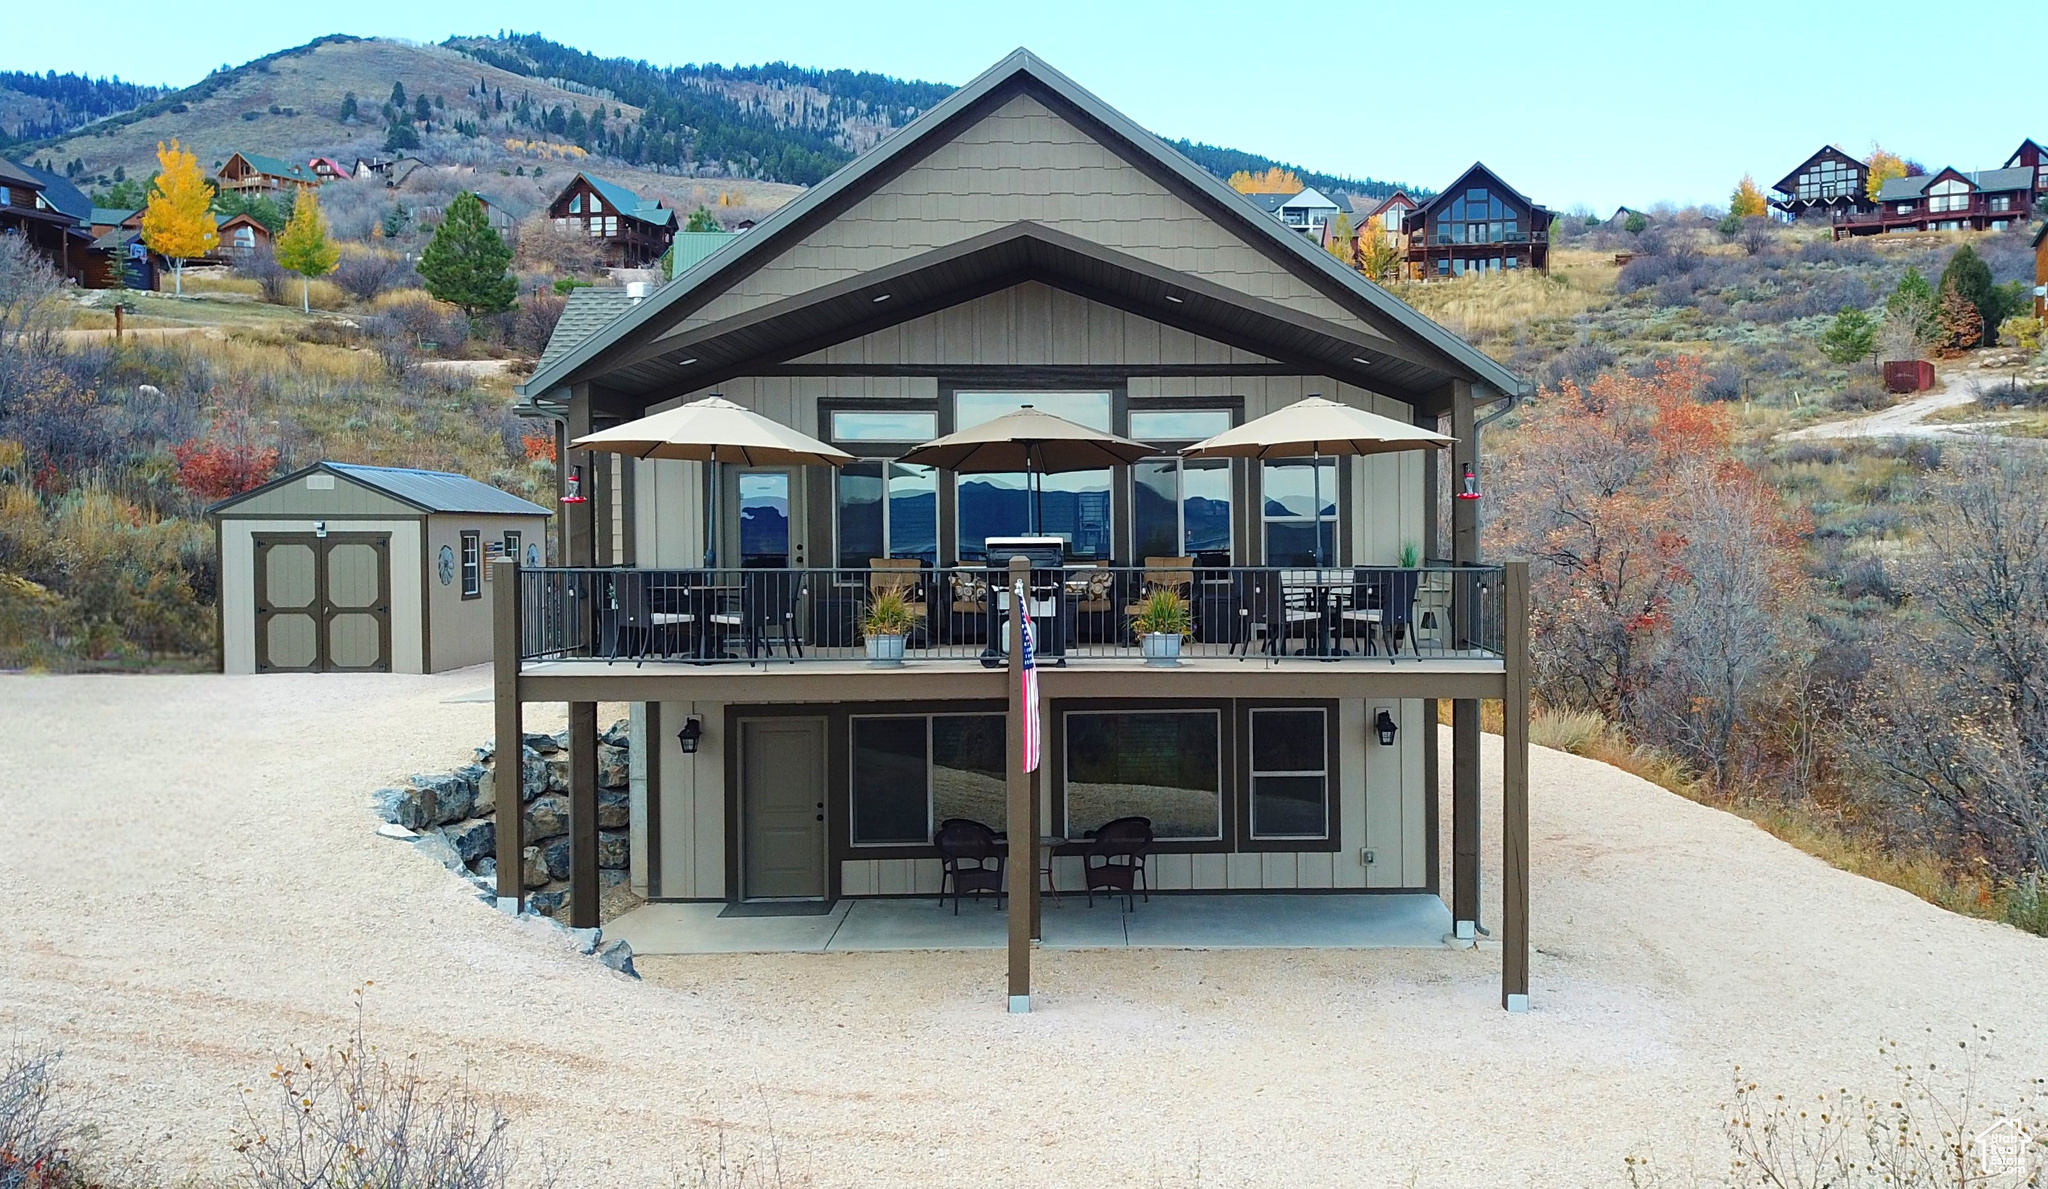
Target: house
column 1622, row 214
column 1479, row 223
column 1307, row 211
column 1004, row 250
column 345, row 568
column 241, row 235
column 636, row 231
column 1948, row 199
column 394, row 172
column 327, row 169
column 2031, row 156
column 45, row 210
column 1391, row 211
column 1827, row 183
column 688, row 247
column 2041, row 271
column 251, row 173
column 503, row 214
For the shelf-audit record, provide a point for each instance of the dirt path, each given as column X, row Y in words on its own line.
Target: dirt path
column 191, row 884
column 1907, row 419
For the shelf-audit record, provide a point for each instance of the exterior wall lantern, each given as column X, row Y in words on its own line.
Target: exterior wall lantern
column 1384, row 727
column 1470, row 490
column 693, row 730
column 574, row 494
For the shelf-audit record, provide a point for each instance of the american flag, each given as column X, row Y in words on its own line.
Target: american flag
column 1031, row 723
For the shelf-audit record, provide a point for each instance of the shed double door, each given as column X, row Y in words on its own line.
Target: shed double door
column 323, row 604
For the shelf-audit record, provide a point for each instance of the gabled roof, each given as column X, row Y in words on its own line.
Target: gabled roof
column 2028, row 150
column 1904, row 189
column 1412, row 346
column 60, row 193
column 239, row 219
column 274, row 167
column 1458, row 188
column 116, row 238
column 17, row 175
column 429, row 491
column 647, row 210
column 689, row 247
column 1789, row 184
column 109, row 216
column 1398, row 198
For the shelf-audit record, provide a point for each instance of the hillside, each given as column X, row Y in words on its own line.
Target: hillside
column 1224, row 162
column 39, row 106
column 289, row 105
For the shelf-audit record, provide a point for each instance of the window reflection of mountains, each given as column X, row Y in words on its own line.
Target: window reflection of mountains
column 988, row 510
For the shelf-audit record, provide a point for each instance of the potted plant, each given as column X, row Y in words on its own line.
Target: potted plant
column 886, row 625
column 1161, row 623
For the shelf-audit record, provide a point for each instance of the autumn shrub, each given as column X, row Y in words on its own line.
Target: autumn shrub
column 37, row 1134
column 534, row 322
column 1864, row 394
column 367, row 274
column 273, row 281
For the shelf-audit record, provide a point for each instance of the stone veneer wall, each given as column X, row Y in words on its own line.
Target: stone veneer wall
column 455, row 816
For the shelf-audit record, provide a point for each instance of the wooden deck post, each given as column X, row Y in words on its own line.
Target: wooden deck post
column 1514, row 799
column 1464, row 711
column 509, row 745
column 583, row 889
column 1022, row 810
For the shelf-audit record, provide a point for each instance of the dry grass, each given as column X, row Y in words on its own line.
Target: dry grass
column 220, row 281
column 1479, row 307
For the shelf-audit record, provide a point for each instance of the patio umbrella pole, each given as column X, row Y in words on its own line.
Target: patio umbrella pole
column 1315, row 523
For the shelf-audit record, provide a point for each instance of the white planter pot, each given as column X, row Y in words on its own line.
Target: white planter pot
column 1161, row 648
column 885, row 652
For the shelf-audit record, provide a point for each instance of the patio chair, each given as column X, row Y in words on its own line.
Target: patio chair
column 1093, row 591
column 623, row 620
column 904, row 574
column 766, row 614
column 1274, row 610
column 1394, row 605
column 1115, row 859
column 970, row 859
column 967, row 609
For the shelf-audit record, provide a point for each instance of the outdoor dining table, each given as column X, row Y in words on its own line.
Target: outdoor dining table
column 1329, row 596
column 1047, row 845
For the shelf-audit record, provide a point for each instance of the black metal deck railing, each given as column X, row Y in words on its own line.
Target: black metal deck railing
column 1080, row 612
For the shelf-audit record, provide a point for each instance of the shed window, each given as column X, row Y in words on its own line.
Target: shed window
column 1290, row 793
column 472, row 565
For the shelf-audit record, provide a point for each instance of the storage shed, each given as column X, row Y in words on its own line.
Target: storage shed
column 345, row 568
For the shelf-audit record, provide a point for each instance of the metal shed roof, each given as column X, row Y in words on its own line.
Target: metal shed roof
column 429, row 491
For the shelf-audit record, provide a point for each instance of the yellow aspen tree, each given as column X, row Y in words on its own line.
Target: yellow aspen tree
column 305, row 247
column 1343, row 240
column 178, row 223
column 1884, row 166
column 1747, row 201
column 1378, row 255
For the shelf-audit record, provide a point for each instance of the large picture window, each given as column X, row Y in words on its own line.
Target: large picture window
column 1179, row 508
column 911, row 772
column 1290, row 789
column 1298, row 523
column 883, row 508
column 1074, row 506
column 1165, row 765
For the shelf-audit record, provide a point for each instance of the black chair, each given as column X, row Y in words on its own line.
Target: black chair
column 971, row 861
column 1115, row 859
column 623, row 621
column 1397, row 615
column 672, row 612
column 766, row 613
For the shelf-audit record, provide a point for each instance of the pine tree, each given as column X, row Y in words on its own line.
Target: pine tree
column 398, row 99
column 702, row 220
column 348, row 106
column 465, row 263
column 305, row 248
column 1850, row 338
column 1968, row 275
column 178, row 222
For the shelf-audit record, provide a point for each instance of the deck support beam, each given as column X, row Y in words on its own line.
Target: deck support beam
column 1514, row 798
column 1464, row 711
column 508, row 747
column 1022, row 811
column 583, row 887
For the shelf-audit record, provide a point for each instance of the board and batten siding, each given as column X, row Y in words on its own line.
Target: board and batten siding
column 1022, row 162
column 1382, row 806
column 459, row 629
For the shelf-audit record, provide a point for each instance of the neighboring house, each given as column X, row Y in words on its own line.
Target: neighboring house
column 327, row 169
column 240, row 236
column 2031, row 156
column 502, row 214
column 1307, row 211
column 1947, row 200
column 48, row 213
column 1391, row 211
column 2041, row 271
column 1829, row 182
column 393, row 171
column 252, row 173
column 1479, row 223
column 1621, row 215
column 344, row 568
column 689, row 247
column 1006, row 250
column 635, row 231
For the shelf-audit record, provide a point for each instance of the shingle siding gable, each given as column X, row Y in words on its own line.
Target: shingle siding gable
column 1022, row 162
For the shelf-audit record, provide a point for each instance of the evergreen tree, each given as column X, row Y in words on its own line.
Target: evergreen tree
column 1850, row 338
column 348, row 107
column 422, row 110
column 305, row 247
column 398, row 99
column 1968, row 275
column 397, row 221
column 702, row 220
column 465, row 263
column 400, row 136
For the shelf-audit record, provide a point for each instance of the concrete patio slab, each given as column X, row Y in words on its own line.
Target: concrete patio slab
column 1221, row 921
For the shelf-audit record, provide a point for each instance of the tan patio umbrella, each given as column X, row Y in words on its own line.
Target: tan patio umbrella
column 714, row 430
column 1312, row 428
column 1031, row 441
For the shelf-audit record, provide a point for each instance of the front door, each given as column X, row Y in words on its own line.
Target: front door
column 782, row 808
column 323, row 604
column 768, row 527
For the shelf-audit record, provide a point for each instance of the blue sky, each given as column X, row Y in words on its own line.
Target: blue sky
column 1593, row 103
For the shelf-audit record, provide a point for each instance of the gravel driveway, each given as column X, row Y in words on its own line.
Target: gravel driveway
column 191, row 884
